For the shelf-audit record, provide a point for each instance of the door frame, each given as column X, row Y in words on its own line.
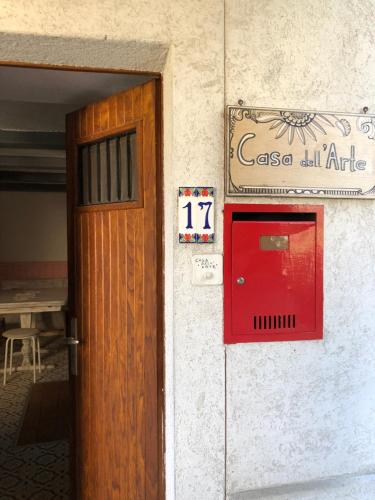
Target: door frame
column 159, row 242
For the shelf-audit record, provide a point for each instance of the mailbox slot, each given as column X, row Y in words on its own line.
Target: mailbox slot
column 273, row 273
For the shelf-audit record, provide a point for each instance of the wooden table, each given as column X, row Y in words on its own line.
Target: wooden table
column 28, row 302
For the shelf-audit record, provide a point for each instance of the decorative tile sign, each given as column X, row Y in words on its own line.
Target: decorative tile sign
column 196, row 214
column 277, row 152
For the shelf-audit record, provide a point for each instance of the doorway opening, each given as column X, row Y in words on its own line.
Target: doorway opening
column 80, row 168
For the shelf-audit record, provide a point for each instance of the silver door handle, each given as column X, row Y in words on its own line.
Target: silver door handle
column 241, row 280
column 71, row 341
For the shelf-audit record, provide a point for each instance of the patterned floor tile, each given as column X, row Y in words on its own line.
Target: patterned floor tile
column 39, row 471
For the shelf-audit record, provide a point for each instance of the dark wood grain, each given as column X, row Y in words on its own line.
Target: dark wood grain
column 160, row 279
column 47, row 414
column 118, row 403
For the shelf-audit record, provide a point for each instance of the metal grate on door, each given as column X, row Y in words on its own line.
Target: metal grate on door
column 107, row 170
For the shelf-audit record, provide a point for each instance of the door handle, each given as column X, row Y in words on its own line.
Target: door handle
column 71, row 341
column 241, row 280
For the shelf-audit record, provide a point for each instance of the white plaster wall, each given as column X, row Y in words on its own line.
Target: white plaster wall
column 184, row 40
column 305, row 410
column 295, row 412
column 198, row 160
column 338, row 488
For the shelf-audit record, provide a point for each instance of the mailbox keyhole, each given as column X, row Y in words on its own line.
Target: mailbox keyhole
column 240, row 280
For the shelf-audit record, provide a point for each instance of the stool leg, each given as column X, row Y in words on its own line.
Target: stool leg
column 33, row 345
column 11, row 357
column 5, row 361
column 38, row 345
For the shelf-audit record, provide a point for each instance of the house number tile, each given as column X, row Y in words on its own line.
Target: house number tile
column 196, row 215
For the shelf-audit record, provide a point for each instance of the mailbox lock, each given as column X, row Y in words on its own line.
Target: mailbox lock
column 240, row 280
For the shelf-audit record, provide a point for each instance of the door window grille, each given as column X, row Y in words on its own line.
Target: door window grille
column 107, row 170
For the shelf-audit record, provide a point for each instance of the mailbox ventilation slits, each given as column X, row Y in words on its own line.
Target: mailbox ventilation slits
column 107, row 170
column 273, row 272
column 274, row 322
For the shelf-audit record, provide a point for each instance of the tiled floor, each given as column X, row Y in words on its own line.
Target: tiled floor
column 38, row 471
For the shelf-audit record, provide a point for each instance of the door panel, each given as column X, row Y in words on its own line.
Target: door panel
column 114, row 267
column 279, row 281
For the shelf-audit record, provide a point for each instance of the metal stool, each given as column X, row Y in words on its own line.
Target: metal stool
column 21, row 334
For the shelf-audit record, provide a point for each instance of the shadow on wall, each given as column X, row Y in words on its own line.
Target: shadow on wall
column 85, row 52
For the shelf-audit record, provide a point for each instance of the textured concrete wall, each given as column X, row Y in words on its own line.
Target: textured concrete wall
column 295, row 412
column 184, row 40
column 305, row 410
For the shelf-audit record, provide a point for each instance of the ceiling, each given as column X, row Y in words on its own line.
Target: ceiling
column 33, row 100
column 62, row 87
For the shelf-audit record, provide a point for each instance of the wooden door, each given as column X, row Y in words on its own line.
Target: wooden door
column 112, row 178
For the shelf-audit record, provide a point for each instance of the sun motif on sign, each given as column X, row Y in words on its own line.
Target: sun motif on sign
column 295, row 123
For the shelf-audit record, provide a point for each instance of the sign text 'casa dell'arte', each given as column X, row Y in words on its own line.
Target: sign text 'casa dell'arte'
column 278, row 152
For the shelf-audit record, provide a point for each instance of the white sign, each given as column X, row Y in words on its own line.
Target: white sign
column 196, row 215
column 280, row 152
column 207, row 269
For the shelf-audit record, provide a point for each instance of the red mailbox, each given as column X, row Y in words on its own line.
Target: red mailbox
column 273, row 273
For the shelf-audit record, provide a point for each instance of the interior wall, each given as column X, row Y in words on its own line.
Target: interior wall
column 32, row 227
column 33, row 230
column 33, row 116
